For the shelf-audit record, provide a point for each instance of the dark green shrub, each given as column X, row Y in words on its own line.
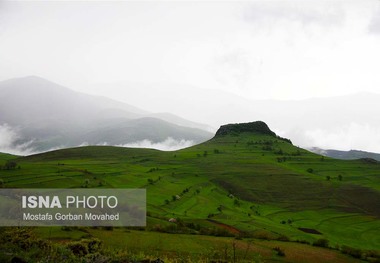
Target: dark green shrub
column 108, row 228
column 78, row 248
column 303, row 241
column 322, row 242
column 280, row 252
column 10, row 165
column 283, row 238
column 267, row 148
column 85, row 246
column 354, row 252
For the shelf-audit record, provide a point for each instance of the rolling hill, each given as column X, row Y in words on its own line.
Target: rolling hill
column 246, row 182
column 38, row 115
column 346, row 155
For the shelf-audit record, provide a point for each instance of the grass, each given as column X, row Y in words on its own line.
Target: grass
column 259, row 184
column 201, row 248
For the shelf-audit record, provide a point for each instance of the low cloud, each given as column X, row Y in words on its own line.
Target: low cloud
column 324, row 14
column 353, row 136
column 9, row 138
column 374, row 26
column 84, row 144
column 169, row 144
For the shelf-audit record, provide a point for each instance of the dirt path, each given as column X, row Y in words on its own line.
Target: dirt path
column 231, row 229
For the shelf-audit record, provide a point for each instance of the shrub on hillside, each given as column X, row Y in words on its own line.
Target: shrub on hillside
column 354, row 252
column 280, row 252
column 283, row 238
column 322, row 242
column 302, row 241
column 10, row 165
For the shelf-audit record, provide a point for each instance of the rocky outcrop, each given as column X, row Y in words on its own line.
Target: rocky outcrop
column 249, row 127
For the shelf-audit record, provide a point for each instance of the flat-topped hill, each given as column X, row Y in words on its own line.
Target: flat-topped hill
column 250, row 127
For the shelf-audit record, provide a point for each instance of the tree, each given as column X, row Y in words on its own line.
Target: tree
column 86, row 183
column 10, row 165
column 322, row 242
column 328, row 178
column 340, row 177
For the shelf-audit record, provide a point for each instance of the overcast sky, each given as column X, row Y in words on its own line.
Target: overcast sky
column 256, row 49
column 285, row 50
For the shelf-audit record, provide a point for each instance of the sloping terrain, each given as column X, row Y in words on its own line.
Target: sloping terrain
column 245, row 179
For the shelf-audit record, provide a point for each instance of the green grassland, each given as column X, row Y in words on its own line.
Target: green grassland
column 250, row 184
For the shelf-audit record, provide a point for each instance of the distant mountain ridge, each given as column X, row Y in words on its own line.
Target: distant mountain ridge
column 336, row 121
column 43, row 115
column 33, row 98
column 346, row 155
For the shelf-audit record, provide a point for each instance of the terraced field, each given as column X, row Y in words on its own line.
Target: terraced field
column 244, row 182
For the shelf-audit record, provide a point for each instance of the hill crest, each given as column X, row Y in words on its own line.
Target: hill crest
column 250, row 127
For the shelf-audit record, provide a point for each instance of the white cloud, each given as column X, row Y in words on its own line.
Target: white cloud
column 374, row 25
column 9, row 141
column 256, row 49
column 305, row 13
column 169, row 144
column 352, row 136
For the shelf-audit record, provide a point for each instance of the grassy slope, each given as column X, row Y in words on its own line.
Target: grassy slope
column 201, row 248
column 5, row 156
column 266, row 193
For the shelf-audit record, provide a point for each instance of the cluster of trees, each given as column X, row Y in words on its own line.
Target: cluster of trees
column 205, row 153
column 177, row 197
column 152, row 181
column 9, row 165
column 340, row 177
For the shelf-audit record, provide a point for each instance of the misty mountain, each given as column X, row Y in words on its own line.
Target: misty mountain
column 33, row 99
column 341, row 122
column 38, row 115
column 346, row 155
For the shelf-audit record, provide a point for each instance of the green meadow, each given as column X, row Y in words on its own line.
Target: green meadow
column 243, row 196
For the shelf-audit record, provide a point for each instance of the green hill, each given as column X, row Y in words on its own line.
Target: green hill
column 246, row 181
